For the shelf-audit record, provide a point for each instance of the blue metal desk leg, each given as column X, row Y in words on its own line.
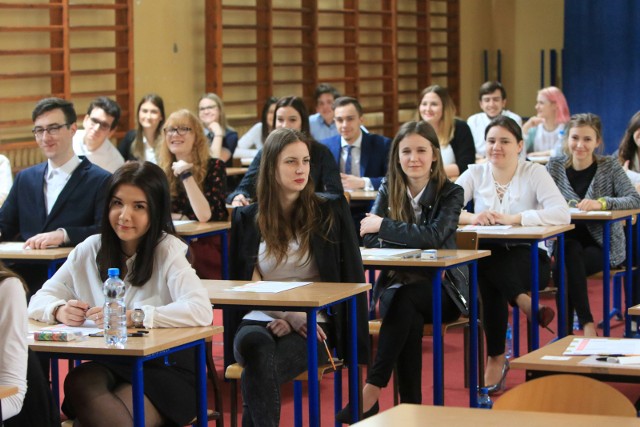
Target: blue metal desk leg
column 562, row 293
column 473, row 336
column 354, row 393
column 201, row 377
column 312, row 363
column 55, row 381
column 535, row 297
column 438, row 374
column 224, row 244
column 606, row 277
column 137, row 385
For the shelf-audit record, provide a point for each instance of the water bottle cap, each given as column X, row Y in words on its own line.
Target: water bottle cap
column 484, row 390
column 113, row 272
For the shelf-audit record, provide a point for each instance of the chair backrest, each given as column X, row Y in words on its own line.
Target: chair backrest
column 347, row 195
column 467, row 240
column 570, row 394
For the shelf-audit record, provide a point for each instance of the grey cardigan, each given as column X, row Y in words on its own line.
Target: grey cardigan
column 609, row 182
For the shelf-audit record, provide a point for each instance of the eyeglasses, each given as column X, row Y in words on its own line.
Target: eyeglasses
column 209, row 107
column 104, row 126
column 182, row 131
column 52, row 130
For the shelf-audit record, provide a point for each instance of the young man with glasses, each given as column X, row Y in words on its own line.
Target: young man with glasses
column 93, row 141
column 58, row 202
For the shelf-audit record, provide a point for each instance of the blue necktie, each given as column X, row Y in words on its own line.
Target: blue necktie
column 347, row 163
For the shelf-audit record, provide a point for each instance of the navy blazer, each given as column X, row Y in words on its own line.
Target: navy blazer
column 337, row 258
column 78, row 208
column 374, row 155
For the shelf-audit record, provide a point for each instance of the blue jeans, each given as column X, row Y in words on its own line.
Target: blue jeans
column 268, row 362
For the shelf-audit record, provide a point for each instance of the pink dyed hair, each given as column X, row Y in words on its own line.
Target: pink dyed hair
column 555, row 95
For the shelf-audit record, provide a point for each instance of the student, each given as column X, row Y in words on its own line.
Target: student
column 510, row 192
column 93, row 142
column 6, row 178
column 456, row 142
column 291, row 233
column 223, row 139
column 361, row 156
column 493, row 101
column 58, row 202
column 628, row 154
column 544, row 131
column 197, row 184
column 19, row 367
column 252, row 141
column 417, row 207
column 321, row 123
column 591, row 183
column 143, row 142
column 137, row 237
column 292, row 114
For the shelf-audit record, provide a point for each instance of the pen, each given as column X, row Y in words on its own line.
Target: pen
column 326, row 347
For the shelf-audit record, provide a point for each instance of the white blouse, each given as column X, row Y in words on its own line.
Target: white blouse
column 531, row 193
column 172, row 297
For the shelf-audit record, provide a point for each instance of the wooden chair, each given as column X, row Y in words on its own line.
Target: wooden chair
column 464, row 240
column 569, row 394
column 233, row 373
column 347, row 195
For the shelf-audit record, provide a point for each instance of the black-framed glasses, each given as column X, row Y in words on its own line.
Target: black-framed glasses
column 104, row 126
column 182, row 131
column 52, row 130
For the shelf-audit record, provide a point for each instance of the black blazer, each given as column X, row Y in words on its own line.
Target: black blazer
column 338, row 260
column 324, row 172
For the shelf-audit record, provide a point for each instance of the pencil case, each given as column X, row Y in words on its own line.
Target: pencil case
column 57, row 336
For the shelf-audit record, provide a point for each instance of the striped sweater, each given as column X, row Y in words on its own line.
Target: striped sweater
column 609, row 182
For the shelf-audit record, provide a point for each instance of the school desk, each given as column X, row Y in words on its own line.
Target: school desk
column 53, row 257
column 195, row 230
column 236, row 171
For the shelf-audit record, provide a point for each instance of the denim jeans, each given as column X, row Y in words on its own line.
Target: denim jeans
column 268, row 362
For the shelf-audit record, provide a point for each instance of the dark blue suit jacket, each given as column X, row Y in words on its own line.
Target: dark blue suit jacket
column 374, row 155
column 78, row 208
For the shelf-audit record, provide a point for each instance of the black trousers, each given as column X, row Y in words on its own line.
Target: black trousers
column 400, row 341
column 502, row 277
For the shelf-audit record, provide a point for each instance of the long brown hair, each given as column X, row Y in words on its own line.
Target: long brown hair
column 277, row 230
column 628, row 149
column 137, row 148
column 446, row 128
column 399, row 204
column 199, row 153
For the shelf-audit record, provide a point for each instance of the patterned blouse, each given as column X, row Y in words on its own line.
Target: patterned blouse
column 214, row 188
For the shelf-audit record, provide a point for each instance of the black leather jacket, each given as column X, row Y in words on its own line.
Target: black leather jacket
column 435, row 230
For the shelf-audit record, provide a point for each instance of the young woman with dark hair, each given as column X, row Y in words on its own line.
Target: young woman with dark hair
column 291, row 233
column 417, row 207
column 137, row 236
column 628, row 153
column 252, row 141
column 143, row 142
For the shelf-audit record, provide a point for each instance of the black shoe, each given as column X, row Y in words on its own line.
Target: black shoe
column 344, row 415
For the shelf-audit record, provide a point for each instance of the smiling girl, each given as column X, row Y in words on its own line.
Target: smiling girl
column 137, row 237
column 143, row 142
column 593, row 183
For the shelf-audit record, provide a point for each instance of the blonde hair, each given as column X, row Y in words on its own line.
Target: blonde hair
column 446, row 129
column 199, row 153
column 223, row 117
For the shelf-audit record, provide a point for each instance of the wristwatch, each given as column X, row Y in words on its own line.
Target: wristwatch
column 603, row 203
column 137, row 317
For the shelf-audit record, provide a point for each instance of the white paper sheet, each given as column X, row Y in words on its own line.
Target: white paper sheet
column 389, row 253
column 88, row 327
column 602, row 346
column 268, row 287
column 177, row 222
column 485, row 227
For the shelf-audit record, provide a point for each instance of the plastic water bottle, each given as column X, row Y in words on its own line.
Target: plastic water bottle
column 576, row 322
column 508, row 342
column 484, row 400
column 115, row 311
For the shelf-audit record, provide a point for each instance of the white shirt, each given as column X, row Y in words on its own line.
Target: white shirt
column 250, row 143
column 56, row 179
column 531, row 193
column 478, row 124
column 13, row 344
column 415, row 204
column 545, row 140
column 356, row 151
column 106, row 156
column 173, row 296
column 6, row 178
column 149, row 151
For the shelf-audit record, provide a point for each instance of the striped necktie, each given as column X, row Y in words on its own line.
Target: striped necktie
column 347, row 164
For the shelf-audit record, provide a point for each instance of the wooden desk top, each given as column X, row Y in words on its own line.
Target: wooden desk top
column 603, row 215
column 533, row 361
column 524, row 233
column 446, row 258
column 420, row 415
column 155, row 341
column 195, row 227
column 8, row 251
column 317, row 294
column 363, row 195
column 635, row 310
column 236, row 171
column 7, row 390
